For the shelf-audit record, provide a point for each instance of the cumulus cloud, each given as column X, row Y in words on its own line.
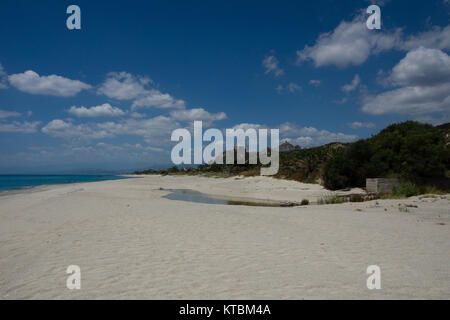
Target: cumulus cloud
column 271, row 64
column 156, row 99
column 81, row 132
column 315, row 83
column 350, row 43
column 422, row 67
column 310, row 136
column 353, row 85
column 125, row 86
column 424, row 80
column 19, row 127
column 197, row 114
column 358, row 125
column 436, row 38
column 8, row 114
column 104, row 110
column 3, row 78
column 52, row 85
column 158, row 128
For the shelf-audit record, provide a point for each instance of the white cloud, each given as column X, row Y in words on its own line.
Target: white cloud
column 271, row 64
column 197, row 114
column 137, row 115
column 350, row 43
column 82, row 132
column 293, row 87
column 315, row 83
column 322, row 137
column 8, row 114
column 353, row 85
column 301, row 141
column 409, row 100
column 424, row 77
column 304, row 136
column 53, row 85
column 19, row 127
column 3, row 78
column 104, row 110
column 125, row 86
column 158, row 128
column 358, row 125
column 422, row 67
column 156, row 99
column 246, row 126
column 289, row 129
column 437, row 38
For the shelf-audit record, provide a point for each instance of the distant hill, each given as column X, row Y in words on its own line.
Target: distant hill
column 287, row 147
column 408, row 150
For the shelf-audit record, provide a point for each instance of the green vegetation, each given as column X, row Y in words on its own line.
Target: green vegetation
column 407, row 189
column 409, row 150
column 304, row 202
column 414, row 152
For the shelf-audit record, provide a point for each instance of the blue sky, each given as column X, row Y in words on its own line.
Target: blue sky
column 109, row 95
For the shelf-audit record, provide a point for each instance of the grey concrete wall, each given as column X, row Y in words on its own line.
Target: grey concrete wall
column 381, row 185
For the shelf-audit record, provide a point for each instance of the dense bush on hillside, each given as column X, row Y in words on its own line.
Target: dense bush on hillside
column 409, row 150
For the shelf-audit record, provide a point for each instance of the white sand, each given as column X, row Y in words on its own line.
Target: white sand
column 131, row 243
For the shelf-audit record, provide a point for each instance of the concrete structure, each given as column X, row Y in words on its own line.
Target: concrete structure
column 381, row 185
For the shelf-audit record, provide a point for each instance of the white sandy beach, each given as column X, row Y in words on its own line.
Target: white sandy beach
column 131, row 243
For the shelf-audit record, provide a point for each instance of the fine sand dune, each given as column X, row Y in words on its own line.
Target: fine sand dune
column 131, row 243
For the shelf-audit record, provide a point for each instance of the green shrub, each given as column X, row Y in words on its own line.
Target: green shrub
column 304, row 202
column 432, row 190
column 407, row 189
column 337, row 171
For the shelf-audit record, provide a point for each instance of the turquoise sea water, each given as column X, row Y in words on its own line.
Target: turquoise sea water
column 11, row 182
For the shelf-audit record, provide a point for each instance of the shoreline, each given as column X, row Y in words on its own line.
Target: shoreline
column 43, row 187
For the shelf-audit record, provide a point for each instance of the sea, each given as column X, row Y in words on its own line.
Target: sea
column 14, row 182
